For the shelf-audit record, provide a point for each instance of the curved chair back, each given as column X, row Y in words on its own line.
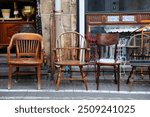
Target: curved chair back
column 139, row 48
column 105, row 41
column 29, row 53
column 71, row 46
column 27, row 44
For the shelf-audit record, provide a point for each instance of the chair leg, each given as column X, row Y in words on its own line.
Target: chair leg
column 149, row 72
column 70, row 72
column 52, row 71
column 10, row 77
column 97, row 77
column 131, row 79
column 83, row 77
column 95, row 69
column 38, row 77
column 115, row 74
column 130, row 75
column 58, row 78
column 118, row 80
column 17, row 70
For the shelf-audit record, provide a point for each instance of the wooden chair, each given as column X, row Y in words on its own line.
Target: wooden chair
column 70, row 51
column 29, row 53
column 105, row 40
column 139, row 55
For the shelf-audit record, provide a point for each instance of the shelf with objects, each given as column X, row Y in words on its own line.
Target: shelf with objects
column 14, row 14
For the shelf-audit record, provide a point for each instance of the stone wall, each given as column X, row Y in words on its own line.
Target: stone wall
column 69, row 14
column 68, row 18
column 46, row 7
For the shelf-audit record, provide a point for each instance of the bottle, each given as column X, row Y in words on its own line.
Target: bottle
column 16, row 12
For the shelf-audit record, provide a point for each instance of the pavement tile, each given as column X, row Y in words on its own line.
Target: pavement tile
column 25, row 88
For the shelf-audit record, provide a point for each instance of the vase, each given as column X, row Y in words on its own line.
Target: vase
column 6, row 13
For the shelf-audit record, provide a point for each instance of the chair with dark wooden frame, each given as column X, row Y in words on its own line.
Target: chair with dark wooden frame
column 103, row 40
column 29, row 53
column 70, row 51
column 139, row 59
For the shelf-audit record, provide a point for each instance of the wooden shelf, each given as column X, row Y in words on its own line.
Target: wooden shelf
column 10, row 19
column 12, row 25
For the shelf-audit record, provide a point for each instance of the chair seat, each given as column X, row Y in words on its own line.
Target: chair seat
column 25, row 61
column 108, row 61
column 140, row 62
column 106, row 40
column 71, row 63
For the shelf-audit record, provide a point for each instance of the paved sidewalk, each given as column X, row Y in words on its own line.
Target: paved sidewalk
column 25, row 88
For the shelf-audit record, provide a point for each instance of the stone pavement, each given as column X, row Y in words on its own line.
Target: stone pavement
column 25, row 89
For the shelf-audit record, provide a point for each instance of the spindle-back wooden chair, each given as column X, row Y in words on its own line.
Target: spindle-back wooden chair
column 29, row 53
column 70, row 52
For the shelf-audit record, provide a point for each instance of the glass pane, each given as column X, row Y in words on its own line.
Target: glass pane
column 134, row 5
column 95, row 5
column 117, row 5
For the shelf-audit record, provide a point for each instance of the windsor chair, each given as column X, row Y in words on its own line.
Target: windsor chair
column 70, row 52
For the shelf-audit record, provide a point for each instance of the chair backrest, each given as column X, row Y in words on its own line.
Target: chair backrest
column 143, row 46
column 70, row 46
column 27, row 44
column 107, row 44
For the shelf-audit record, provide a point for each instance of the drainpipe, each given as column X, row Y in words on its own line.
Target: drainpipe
column 55, row 31
column 82, row 17
column 58, row 12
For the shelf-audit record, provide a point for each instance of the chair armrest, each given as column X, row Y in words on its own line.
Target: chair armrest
column 43, row 56
column 9, row 51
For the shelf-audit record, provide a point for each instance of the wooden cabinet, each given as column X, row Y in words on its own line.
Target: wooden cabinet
column 13, row 24
column 8, row 28
column 116, row 22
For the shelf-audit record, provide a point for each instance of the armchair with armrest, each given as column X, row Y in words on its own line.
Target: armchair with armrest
column 70, row 52
column 29, row 53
